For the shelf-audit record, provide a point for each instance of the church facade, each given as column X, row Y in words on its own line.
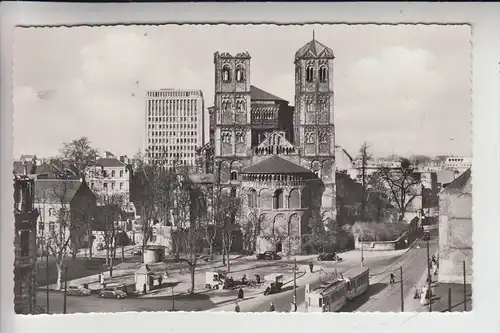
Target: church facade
column 285, row 173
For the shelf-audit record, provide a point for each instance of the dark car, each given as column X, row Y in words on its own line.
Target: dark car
column 426, row 236
column 268, row 255
column 327, row 257
column 112, row 292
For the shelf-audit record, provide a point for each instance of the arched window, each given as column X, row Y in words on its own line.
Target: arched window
column 234, row 175
column 323, row 138
column 240, row 106
column 323, row 74
column 278, row 199
column 226, row 73
column 240, row 74
column 294, row 199
column 310, row 74
column 252, row 198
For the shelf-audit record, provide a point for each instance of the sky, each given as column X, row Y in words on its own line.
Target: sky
column 404, row 89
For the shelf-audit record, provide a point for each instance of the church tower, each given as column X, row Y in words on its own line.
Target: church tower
column 232, row 116
column 314, row 126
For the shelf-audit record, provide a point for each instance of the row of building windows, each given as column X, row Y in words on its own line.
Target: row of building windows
column 311, row 137
column 172, row 120
column 105, row 185
column 169, row 133
column 239, row 73
column 322, row 106
column 310, row 74
column 226, row 137
column 170, row 162
column 172, row 93
column 172, row 126
column 240, row 106
column 169, row 147
column 172, row 141
column 171, row 105
column 278, row 197
column 175, row 155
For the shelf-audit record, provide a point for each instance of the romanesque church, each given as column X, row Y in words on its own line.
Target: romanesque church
column 279, row 159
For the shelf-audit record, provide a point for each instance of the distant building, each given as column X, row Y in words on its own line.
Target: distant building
column 65, row 206
column 25, row 216
column 175, row 126
column 455, row 230
column 111, row 177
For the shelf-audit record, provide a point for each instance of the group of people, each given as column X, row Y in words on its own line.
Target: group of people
column 271, row 307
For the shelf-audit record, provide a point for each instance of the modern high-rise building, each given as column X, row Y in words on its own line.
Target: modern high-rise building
column 175, row 126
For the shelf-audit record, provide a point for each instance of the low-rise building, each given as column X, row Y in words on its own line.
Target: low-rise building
column 66, row 209
column 455, row 230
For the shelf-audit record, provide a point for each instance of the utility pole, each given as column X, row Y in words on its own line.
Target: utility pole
column 361, row 241
column 65, row 288
column 465, row 289
column 295, row 279
column 429, row 278
column 449, row 299
column 47, row 275
column 402, row 297
column 173, row 300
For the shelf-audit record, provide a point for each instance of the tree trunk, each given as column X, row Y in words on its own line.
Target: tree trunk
column 211, row 249
column 228, row 261
column 91, row 242
column 123, row 252
column 107, row 253
column 223, row 250
column 192, row 268
column 59, row 277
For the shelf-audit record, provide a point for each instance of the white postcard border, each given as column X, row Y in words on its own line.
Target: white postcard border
column 485, row 20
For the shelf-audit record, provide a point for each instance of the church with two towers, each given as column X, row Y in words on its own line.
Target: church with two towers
column 279, row 159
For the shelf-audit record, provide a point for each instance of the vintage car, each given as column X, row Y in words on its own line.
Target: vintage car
column 77, row 291
column 112, row 291
column 273, row 283
column 327, row 257
column 268, row 255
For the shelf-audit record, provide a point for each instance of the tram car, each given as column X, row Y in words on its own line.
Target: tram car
column 333, row 295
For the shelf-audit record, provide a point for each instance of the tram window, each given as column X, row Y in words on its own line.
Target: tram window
column 320, row 302
column 349, row 285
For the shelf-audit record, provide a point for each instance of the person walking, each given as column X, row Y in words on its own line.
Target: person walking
column 237, row 307
column 392, row 278
column 240, row 294
column 311, row 267
column 271, row 307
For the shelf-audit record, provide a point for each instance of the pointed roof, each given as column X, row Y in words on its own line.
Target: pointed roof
column 460, row 184
column 56, row 190
column 314, row 49
column 275, row 164
column 257, row 94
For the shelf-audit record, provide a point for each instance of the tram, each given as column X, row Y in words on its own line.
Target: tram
column 358, row 281
column 332, row 295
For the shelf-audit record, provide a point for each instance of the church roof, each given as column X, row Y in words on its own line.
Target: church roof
column 275, row 164
column 257, row 94
column 314, row 49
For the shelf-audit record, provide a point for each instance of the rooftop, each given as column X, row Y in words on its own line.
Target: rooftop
column 314, row 49
column 460, row 184
column 56, row 190
column 275, row 165
column 257, row 94
column 109, row 162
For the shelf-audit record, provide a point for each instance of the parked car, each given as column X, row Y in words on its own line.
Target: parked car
column 268, row 255
column 112, row 292
column 327, row 257
column 77, row 291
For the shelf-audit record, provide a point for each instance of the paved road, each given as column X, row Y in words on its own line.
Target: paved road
column 282, row 300
column 384, row 297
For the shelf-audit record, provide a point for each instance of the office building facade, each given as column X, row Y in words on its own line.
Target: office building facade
column 175, row 126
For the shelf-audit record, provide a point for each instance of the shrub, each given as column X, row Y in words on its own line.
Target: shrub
column 381, row 232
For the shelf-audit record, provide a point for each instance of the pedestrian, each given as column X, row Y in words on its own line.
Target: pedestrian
column 244, row 279
column 417, row 293
column 144, row 289
column 392, row 278
column 435, row 269
column 257, row 278
column 271, row 307
column 160, row 280
column 429, row 279
column 240, row 293
column 311, row 266
column 237, row 307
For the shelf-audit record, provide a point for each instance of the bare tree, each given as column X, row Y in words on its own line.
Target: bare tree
column 211, row 223
column 403, row 185
column 249, row 229
column 365, row 156
column 189, row 214
column 110, row 208
column 153, row 193
column 63, row 233
column 229, row 217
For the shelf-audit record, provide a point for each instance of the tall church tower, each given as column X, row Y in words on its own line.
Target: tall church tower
column 314, row 126
column 232, row 116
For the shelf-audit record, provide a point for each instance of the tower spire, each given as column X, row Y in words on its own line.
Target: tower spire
column 313, row 34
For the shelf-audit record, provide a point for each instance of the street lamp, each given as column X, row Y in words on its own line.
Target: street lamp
column 360, row 240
